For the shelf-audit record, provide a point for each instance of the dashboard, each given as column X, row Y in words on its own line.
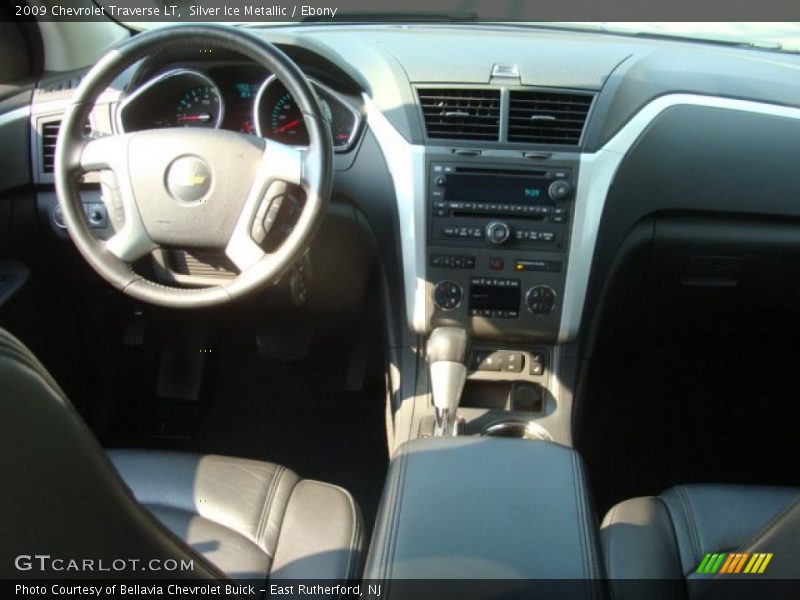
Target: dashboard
column 451, row 160
column 234, row 96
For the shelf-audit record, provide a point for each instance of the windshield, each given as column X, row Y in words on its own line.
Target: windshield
column 783, row 36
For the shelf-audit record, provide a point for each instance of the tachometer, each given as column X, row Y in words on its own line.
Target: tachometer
column 200, row 106
column 175, row 98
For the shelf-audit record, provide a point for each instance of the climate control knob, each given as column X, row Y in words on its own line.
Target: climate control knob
column 559, row 190
column 447, row 295
column 541, row 299
column 497, row 232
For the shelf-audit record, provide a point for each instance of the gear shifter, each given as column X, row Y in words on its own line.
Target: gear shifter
column 447, row 351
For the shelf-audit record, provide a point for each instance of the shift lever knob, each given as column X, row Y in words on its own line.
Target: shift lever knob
column 446, row 352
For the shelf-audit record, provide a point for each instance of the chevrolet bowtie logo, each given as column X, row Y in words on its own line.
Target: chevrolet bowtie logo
column 193, row 180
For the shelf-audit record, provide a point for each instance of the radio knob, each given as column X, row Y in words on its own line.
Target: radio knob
column 559, row 190
column 497, row 232
column 440, row 180
column 447, row 295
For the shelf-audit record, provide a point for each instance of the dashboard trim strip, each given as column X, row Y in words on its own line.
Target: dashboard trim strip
column 595, row 175
column 406, row 164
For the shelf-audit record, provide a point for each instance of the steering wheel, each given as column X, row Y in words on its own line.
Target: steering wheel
column 193, row 187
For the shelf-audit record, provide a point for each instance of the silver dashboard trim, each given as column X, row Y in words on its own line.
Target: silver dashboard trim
column 406, row 164
column 23, row 112
column 597, row 171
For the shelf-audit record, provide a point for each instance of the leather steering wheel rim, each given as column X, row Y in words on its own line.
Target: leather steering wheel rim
column 268, row 162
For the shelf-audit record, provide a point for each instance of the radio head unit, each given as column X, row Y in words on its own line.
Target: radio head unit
column 479, row 205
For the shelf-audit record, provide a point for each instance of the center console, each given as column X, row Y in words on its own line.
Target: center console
column 486, row 508
column 497, row 244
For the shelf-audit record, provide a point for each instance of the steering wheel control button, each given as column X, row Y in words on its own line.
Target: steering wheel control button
column 447, row 295
column 188, row 179
column 96, row 215
column 497, row 232
column 541, row 299
column 559, row 190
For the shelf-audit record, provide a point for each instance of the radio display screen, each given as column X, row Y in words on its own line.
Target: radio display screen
column 505, row 189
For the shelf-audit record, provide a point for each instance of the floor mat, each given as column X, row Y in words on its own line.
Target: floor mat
column 293, row 413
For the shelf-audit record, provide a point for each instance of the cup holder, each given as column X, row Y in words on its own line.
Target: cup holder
column 523, row 430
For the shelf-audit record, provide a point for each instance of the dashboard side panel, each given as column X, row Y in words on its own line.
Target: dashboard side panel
column 697, row 158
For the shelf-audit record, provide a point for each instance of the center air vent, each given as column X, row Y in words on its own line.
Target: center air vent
column 538, row 117
column 462, row 114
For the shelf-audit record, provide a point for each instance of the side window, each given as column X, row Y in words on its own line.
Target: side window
column 15, row 61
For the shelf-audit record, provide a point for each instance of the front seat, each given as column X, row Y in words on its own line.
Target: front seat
column 696, row 533
column 222, row 517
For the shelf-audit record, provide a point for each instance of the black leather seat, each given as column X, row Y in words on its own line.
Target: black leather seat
column 666, row 537
column 232, row 517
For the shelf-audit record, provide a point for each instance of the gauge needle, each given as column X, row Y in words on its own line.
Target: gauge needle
column 289, row 125
column 201, row 117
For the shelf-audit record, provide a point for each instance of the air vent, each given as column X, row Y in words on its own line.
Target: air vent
column 463, row 114
column 547, row 117
column 49, row 132
column 202, row 264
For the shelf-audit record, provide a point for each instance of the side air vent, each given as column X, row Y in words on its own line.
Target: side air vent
column 49, row 132
column 462, row 114
column 547, row 117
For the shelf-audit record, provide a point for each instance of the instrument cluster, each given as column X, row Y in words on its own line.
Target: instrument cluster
column 237, row 98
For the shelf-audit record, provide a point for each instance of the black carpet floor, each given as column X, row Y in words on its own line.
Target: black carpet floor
column 297, row 414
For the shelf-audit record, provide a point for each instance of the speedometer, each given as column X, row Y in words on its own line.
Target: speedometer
column 286, row 121
column 200, row 106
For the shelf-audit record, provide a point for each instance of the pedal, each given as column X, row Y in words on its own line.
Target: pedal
column 183, row 359
column 134, row 332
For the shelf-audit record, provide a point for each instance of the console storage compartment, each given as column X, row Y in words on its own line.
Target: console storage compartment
column 486, row 508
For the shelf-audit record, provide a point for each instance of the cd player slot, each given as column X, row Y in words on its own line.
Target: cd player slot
column 502, row 172
column 510, row 213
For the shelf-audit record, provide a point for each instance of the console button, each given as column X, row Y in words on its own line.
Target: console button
column 541, row 299
column 496, row 264
column 511, row 362
column 550, row 266
column 538, row 362
column 447, row 295
column 485, row 360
